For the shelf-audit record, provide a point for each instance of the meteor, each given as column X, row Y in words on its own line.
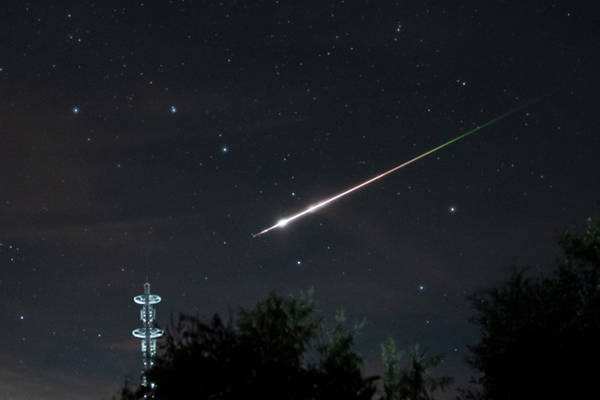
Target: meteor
column 282, row 223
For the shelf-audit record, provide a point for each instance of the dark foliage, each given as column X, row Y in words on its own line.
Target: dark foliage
column 339, row 370
column 414, row 380
column 540, row 337
column 263, row 354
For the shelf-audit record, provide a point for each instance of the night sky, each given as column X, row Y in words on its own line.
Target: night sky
column 151, row 139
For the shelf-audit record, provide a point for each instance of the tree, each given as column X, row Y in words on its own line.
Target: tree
column 539, row 336
column 263, row 353
column 339, row 368
column 414, row 381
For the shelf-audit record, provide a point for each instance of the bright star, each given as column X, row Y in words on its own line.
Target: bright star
column 172, row 109
column 224, row 149
column 452, row 209
column 75, row 109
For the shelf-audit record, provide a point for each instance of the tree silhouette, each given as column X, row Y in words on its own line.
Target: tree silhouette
column 339, row 368
column 540, row 336
column 414, row 381
column 264, row 353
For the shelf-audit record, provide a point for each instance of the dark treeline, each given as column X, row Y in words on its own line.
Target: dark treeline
column 280, row 349
column 539, row 336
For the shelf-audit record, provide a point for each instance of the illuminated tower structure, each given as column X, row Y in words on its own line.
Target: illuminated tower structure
column 148, row 333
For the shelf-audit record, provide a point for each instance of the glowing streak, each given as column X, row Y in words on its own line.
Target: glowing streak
column 285, row 221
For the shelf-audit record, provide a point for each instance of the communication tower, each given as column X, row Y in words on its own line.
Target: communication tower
column 148, row 333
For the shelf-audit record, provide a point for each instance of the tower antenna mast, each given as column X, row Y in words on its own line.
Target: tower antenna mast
column 147, row 334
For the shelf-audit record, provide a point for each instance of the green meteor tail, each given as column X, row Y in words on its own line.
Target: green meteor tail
column 489, row 123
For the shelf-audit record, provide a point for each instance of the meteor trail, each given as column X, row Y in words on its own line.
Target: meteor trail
column 285, row 221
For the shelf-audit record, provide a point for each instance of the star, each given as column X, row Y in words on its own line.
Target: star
column 75, row 109
column 224, row 149
column 172, row 109
column 452, row 210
